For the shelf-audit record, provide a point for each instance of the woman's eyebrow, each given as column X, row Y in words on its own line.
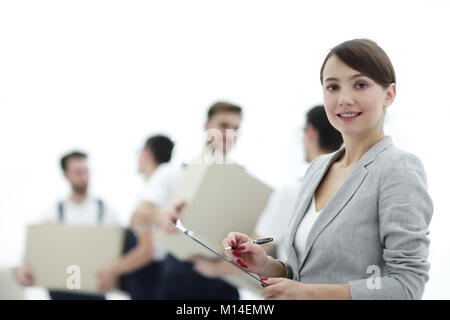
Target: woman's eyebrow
column 357, row 76
column 331, row 79
column 350, row 78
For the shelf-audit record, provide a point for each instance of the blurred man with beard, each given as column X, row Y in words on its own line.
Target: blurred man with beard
column 78, row 209
column 178, row 280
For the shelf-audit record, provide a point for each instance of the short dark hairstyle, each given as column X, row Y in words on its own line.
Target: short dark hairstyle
column 365, row 56
column 222, row 106
column 161, row 147
column 72, row 155
column 329, row 138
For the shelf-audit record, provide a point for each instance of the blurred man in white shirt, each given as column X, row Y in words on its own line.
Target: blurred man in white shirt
column 141, row 264
column 221, row 128
column 78, row 209
column 179, row 279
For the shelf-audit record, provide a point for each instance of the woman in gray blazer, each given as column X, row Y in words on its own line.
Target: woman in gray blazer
column 361, row 221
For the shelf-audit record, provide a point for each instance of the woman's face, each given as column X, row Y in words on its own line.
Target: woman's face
column 354, row 103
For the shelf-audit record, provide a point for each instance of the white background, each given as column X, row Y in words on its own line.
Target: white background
column 101, row 76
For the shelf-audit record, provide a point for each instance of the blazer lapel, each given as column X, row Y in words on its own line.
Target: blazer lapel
column 343, row 195
column 334, row 206
column 302, row 206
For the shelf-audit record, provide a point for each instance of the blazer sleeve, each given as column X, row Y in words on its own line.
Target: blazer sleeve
column 405, row 211
column 288, row 269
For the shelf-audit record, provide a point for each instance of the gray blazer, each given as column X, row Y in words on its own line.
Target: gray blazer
column 376, row 221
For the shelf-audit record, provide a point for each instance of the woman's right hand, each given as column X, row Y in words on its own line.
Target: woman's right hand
column 249, row 256
column 24, row 276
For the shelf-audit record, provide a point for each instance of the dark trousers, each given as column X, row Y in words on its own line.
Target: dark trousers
column 143, row 283
column 67, row 295
column 179, row 281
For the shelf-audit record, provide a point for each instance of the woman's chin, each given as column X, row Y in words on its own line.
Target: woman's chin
column 348, row 131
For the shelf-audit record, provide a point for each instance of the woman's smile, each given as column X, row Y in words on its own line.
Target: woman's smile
column 348, row 115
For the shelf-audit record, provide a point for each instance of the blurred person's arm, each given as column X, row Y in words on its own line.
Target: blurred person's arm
column 133, row 260
column 213, row 267
column 155, row 197
column 24, row 276
column 147, row 214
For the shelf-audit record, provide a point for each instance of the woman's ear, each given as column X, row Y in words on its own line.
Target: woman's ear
column 391, row 92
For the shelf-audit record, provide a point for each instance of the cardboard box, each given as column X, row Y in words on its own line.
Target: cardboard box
column 58, row 254
column 9, row 288
column 220, row 198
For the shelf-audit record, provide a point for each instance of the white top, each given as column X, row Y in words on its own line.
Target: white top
column 84, row 213
column 274, row 220
column 161, row 184
column 304, row 228
column 158, row 190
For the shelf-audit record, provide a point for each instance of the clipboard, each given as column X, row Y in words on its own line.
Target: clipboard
column 190, row 234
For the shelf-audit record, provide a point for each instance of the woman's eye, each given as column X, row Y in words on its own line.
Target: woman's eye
column 361, row 85
column 331, row 87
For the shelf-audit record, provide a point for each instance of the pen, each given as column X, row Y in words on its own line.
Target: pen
column 259, row 241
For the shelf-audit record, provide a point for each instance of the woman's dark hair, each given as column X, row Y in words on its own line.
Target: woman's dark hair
column 161, row 148
column 365, row 56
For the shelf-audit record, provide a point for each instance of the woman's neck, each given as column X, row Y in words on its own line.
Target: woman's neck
column 356, row 146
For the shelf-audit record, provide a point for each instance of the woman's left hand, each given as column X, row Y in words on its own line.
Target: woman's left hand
column 286, row 289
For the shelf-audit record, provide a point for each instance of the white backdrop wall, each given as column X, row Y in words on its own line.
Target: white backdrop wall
column 101, row 76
